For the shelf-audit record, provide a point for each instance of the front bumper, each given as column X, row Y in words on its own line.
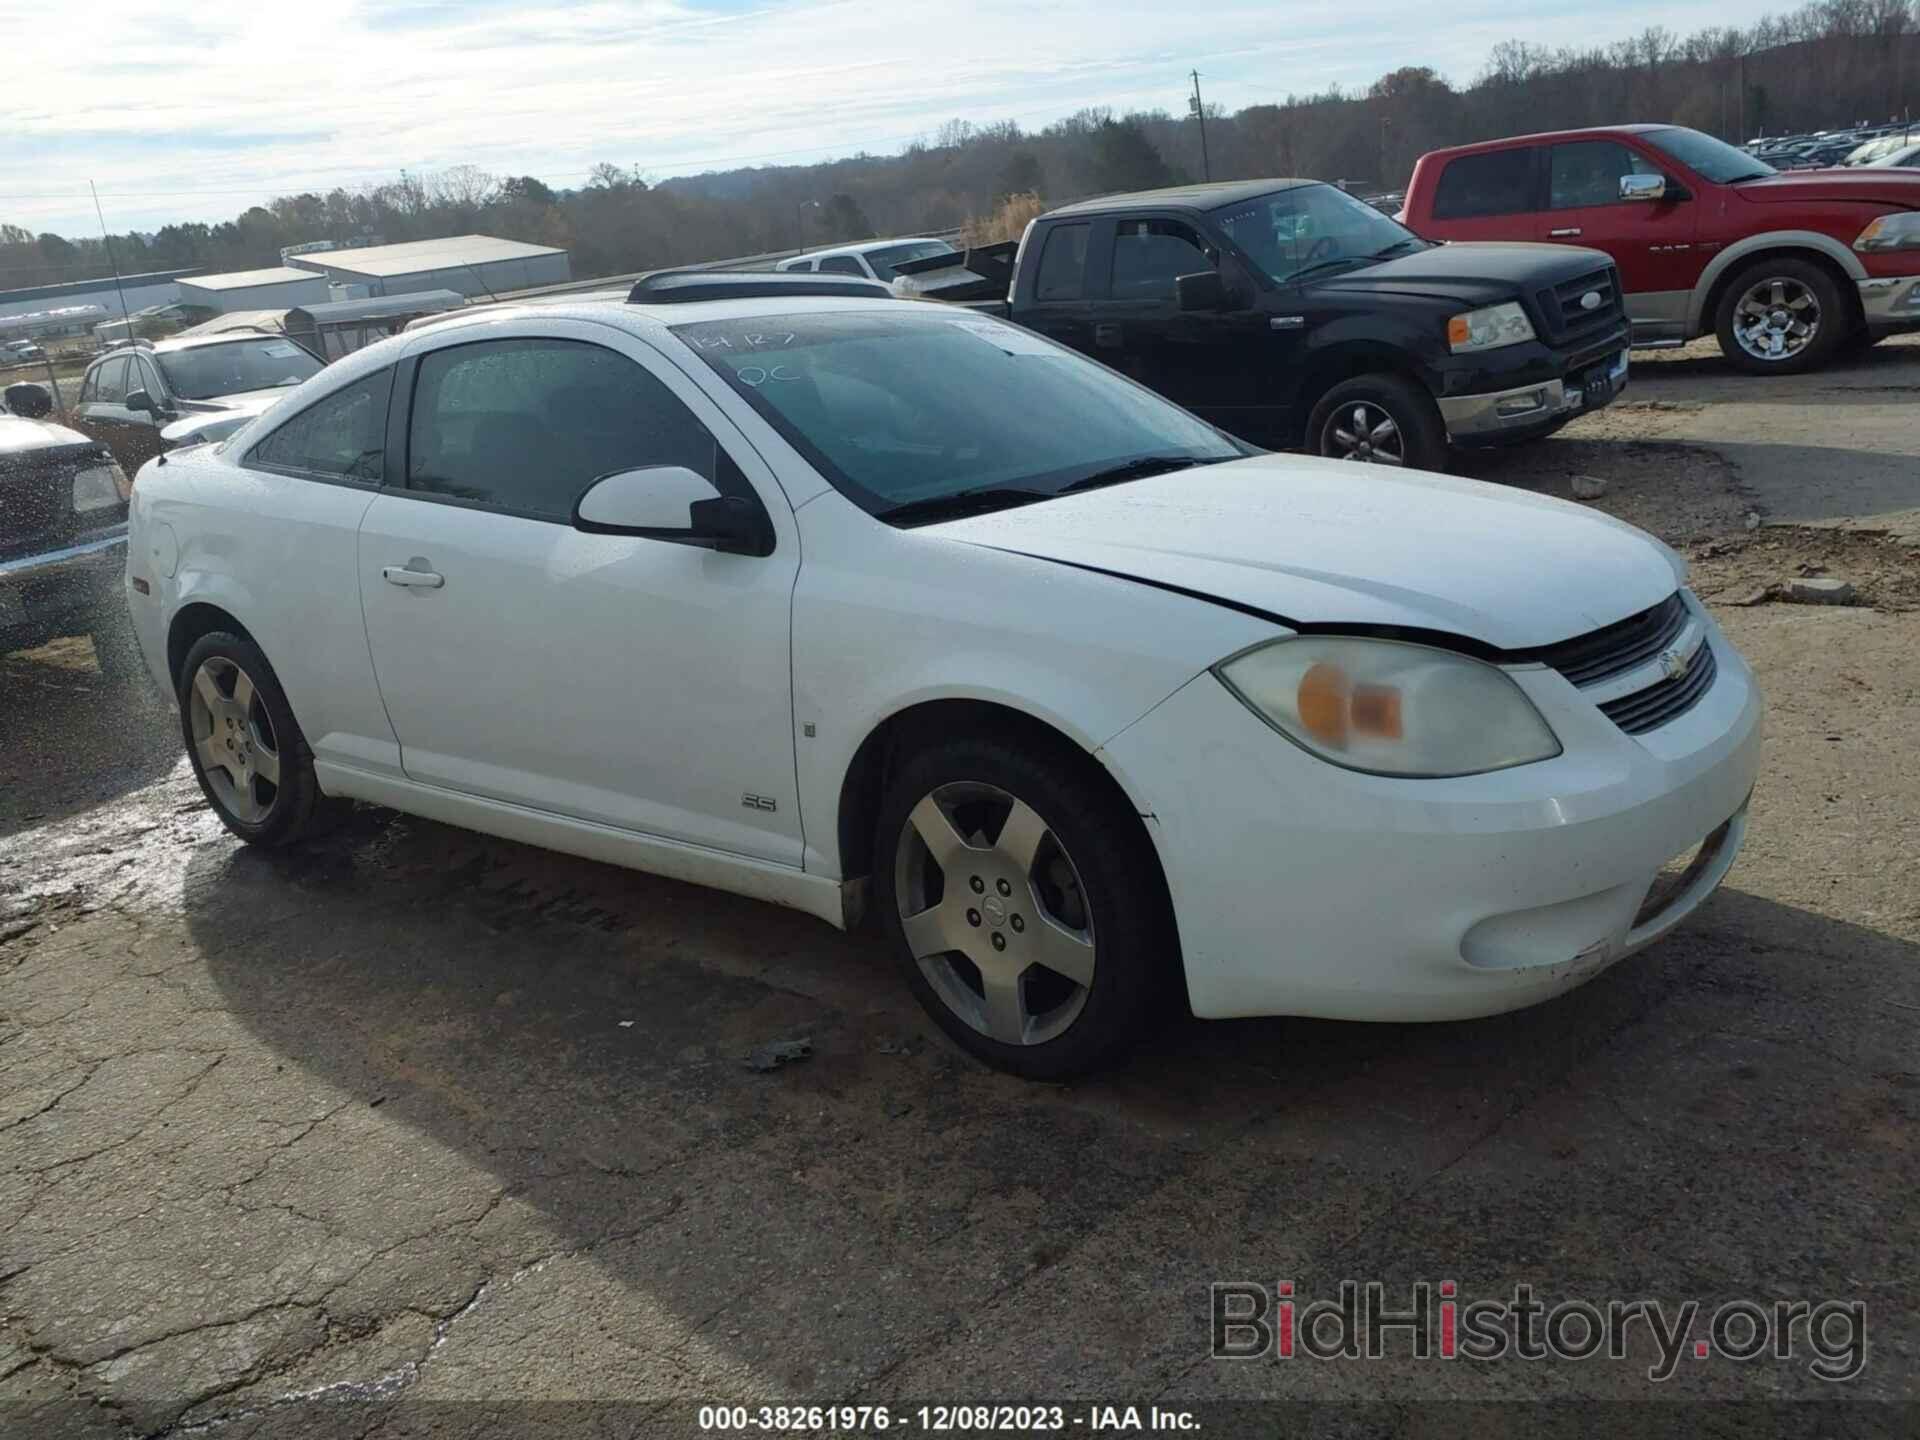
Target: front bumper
column 1303, row 889
column 1891, row 302
column 1512, row 413
column 60, row 592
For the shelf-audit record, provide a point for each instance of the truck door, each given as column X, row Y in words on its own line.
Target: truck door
column 1058, row 303
column 1652, row 241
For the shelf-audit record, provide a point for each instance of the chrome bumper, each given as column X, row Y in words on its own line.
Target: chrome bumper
column 1888, row 301
column 1527, row 406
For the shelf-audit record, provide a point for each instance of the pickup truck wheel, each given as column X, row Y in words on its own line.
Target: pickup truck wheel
column 1025, row 905
column 1779, row 317
column 1379, row 420
column 246, row 748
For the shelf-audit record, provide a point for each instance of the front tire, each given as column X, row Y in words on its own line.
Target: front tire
column 1379, row 420
column 246, row 748
column 1025, row 904
column 1780, row 317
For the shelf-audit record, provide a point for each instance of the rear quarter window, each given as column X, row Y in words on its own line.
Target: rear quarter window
column 1499, row 182
column 1063, row 264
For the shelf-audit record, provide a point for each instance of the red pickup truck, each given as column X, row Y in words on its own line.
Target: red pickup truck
column 1784, row 268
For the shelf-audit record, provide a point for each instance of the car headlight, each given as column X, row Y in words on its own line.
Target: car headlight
column 1488, row 329
column 1890, row 232
column 1390, row 708
column 99, row 486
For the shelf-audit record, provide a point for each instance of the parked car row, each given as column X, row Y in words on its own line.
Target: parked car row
column 782, row 584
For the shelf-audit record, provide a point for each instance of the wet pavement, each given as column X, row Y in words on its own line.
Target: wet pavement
column 410, row 1131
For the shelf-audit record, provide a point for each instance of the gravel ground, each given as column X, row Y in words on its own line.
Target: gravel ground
column 415, row 1132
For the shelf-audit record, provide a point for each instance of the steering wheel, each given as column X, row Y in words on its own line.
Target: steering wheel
column 1321, row 248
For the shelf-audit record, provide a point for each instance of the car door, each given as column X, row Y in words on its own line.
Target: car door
column 1057, row 299
column 625, row 681
column 1210, row 361
column 139, row 436
column 101, row 402
column 1651, row 241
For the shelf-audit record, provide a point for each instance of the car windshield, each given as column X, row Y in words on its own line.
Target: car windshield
column 1310, row 227
column 922, row 405
column 1707, row 157
column 883, row 261
column 207, row 371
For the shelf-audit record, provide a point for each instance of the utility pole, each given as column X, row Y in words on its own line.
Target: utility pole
column 1199, row 112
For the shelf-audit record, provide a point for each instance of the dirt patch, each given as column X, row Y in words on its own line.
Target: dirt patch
column 1682, row 493
column 1884, row 571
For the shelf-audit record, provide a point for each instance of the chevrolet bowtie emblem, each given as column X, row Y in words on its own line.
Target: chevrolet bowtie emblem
column 1676, row 665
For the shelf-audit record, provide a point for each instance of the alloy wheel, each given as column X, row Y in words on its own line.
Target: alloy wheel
column 233, row 739
column 1776, row 319
column 995, row 913
column 1363, row 432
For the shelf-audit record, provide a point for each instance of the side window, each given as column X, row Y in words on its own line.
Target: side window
column 526, row 425
column 142, row 377
column 842, row 265
column 1063, row 264
column 1497, row 183
column 344, row 434
column 110, row 381
column 1149, row 254
column 90, row 387
column 1588, row 172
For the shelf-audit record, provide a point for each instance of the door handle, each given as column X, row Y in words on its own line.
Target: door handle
column 1563, row 234
column 1106, row 334
column 413, row 575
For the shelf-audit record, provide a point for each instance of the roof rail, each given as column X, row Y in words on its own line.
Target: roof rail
column 687, row 287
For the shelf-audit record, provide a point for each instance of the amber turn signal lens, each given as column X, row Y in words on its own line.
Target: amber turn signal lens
column 1458, row 331
column 1322, row 699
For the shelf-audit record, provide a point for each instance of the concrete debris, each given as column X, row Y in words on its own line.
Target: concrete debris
column 1820, row 591
column 776, row 1053
column 1588, row 487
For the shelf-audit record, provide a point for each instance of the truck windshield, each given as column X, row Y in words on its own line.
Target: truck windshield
column 1707, row 157
column 210, row 370
column 1311, row 227
column 923, row 404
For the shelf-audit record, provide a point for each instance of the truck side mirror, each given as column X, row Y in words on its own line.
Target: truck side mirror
column 1204, row 290
column 1643, row 187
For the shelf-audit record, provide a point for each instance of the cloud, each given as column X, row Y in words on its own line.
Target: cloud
column 196, row 120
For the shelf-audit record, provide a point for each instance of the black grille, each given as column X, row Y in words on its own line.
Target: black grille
column 1654, row 706
column 1568, row 319
column 1633, row 641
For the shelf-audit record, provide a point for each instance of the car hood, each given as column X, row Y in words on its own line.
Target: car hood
column 1482, row 272
column 219, row 417
column 1322, row 543
column 1850, row 182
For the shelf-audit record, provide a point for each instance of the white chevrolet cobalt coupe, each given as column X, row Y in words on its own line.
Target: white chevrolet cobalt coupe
column 853, row 604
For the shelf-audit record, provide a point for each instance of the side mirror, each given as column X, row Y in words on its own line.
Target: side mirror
column 672, row 503
column 1643, row 187
column 139, row 400
column 1205, row 290
column 28, row 399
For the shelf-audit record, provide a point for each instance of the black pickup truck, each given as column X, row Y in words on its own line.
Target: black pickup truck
column 1293, row 315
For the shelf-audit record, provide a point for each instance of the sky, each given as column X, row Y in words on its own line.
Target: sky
column 197, row 117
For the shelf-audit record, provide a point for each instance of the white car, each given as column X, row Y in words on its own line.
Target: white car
column 870, row 260
column 858, row 605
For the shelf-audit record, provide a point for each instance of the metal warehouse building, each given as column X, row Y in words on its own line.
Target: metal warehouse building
column 279, row 288
column 154, row 287
column 471, row 264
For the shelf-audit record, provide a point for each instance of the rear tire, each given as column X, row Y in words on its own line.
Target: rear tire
column 247, row 750
column 1379, row 420
column 1781, row 317
column 1047, row 951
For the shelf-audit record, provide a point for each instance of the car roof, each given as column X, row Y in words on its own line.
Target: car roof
column 1548, row 137
column 175, row 344
column 1180, row 197
column 867, row 247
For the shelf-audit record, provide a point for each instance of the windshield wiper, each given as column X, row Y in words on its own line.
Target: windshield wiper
column 1396, row 245
column 964, row 502
column 1297, row 276
column 1138, row 468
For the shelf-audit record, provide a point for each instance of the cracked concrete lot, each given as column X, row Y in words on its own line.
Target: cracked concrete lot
column 415, row 1132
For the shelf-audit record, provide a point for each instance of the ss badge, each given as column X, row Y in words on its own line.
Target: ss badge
column 759, row 802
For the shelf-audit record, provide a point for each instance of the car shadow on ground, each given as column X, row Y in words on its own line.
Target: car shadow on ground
column 576, row 1032
column 71, row 739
